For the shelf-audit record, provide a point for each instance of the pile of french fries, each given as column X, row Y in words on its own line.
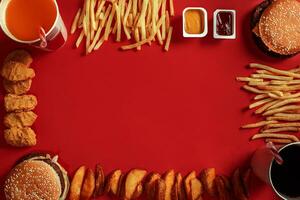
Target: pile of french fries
column 142, row 21
column 171, row 185
column 277, row 101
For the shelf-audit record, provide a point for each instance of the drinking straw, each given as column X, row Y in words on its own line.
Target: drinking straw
column 275, row 152
column 42, row 35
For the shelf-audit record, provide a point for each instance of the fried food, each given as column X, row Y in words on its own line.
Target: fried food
column 150, row 185
column 112, row 182
column 15, row 71
column 20, row 137
column 76, row 184
column 19, row 103
column 239, row 190
column 277, row 101
column 99, row 181
column 18, row 88
column 223, row 187
column 196, row 190
column 134, row 178
column 187, row 182
column 169, row 178
column 207, row 177
column 19, row 120
column 20, row 56
column 88, row 185
column 177, row 190
column 160, row 189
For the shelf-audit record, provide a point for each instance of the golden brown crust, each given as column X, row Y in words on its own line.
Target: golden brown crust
column 15, row 71
column 279, row 27
column 18, row 87
column 20, row 137
column 19, row 103
column 19, row 55
column 21, row 119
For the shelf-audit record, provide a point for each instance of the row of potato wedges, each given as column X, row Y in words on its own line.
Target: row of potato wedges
column 87, row 184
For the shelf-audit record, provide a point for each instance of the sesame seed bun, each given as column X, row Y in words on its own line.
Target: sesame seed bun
column 275, row 25
column 36, row 177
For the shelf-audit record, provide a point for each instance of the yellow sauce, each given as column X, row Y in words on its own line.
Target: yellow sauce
column 194, row 21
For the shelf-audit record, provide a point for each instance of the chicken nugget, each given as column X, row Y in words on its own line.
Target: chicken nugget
column 21, row 119
column 19, row 55
column 19, row 87
column 21, row 103
column 15, row 71
column 20, row 137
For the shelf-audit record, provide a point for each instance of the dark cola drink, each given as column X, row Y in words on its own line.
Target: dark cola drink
column 285, row 178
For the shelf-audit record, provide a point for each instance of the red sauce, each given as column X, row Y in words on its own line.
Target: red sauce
column 225, row 23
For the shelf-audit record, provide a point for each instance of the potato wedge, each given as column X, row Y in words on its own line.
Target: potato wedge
column 150, row 185
column 133, row 180
column 196, row 189
column 238, row 186
column 99, row 181
column 187, row 181
column 88, row 186
column 112, row 182
column 169, row 178
column 207, row 177
column 121, row 186
column 160, row 189
column 76, row 184
column 177, row 190
column 223, row 187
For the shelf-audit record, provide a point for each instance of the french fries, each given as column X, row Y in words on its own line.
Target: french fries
column 277, row 100
column 76, row 184
column 143, row 20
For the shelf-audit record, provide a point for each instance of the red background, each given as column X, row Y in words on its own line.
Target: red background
column 147, row 109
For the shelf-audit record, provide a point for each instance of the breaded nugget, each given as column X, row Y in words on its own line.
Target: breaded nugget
column 18, row 87
column 21, row 119
column 15, row 71
column 20, row 137
column 19, row 55
column 21, row 103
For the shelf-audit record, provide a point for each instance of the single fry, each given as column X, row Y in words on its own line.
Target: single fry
column 75, row 21
column 172, row 11
column 282, row 129
column 125, row 20
column 276, row 71
column 163, row 26
column 259, row 103
column 247, row 79
column 287, row 118
column 168, row 21
column 261, row 96
column 283, row 88
column 133, row 46
column 275, row 135
column 253, row 90
column 108, row 23
column 99, row 9
column 278, row 125
column 280, row 110
column 262, row 71
column 284, row 102
column 279, row 141
column 255, row 83
column 272, row 77
column 118, row 22
column 167, row 46
column 76, row 184
column 92, row 15
column 293, row 82
column 259, row 124
column 79, row 40
column 285, row 96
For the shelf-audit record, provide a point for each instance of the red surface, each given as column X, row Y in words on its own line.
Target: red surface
column 147, row 109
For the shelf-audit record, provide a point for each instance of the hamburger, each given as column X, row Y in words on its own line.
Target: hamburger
column 275, row 26
column 37, row 176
